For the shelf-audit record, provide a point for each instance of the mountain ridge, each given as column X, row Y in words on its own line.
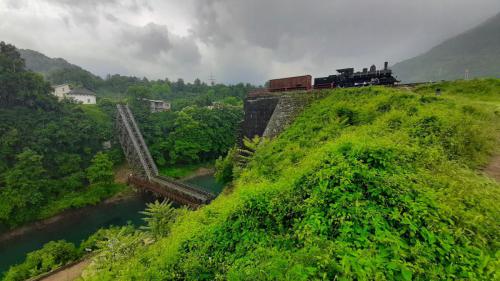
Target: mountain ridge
column 38, row 62
column 476, row 51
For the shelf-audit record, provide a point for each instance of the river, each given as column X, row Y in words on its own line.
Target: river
column 78, row 225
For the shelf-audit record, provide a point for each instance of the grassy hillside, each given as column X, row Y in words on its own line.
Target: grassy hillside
column 368, row 183
column 477, row 50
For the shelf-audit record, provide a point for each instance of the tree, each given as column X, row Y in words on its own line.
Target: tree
column 18, row 86
column 159, row 218
column 101, row 169
column 24, row 186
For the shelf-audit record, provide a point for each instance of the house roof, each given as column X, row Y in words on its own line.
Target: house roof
column 81, row 91
column 60, row 85
column 155, row 100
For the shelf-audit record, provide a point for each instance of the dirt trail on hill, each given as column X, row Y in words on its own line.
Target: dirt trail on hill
column 493, row 169
column 68, row 274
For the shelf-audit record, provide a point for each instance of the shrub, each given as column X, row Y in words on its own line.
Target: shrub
column 53, row 255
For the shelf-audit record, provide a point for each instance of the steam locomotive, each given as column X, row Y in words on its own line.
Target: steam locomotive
column 348, row 78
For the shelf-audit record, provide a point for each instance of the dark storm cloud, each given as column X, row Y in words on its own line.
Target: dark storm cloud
column 154, row 43
column 236, row 40
column 335, row 32
column 90, row 11
column 148, row 41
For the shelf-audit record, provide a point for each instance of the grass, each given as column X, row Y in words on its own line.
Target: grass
column 367, row 184
column 182, row 171
column 91, row 195
column 96, row 114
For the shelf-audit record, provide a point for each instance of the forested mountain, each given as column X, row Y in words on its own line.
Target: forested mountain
column 116, row 86
column 58, row 70
column 38, row 62
column 45, row 145
column 477, row 50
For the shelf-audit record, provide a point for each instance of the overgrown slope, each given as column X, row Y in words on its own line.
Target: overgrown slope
column 477, row 50
column 369, row 183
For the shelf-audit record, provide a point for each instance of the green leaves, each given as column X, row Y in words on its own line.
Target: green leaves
column 53, row 255
column 159, row 218
column 101, row 170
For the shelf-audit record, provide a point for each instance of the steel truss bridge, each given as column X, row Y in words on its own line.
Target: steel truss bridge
column 145, row 176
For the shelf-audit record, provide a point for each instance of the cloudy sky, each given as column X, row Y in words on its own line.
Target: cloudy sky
column 235, row 40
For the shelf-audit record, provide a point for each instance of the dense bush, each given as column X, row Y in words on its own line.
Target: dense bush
column 192, row 135
column 53, row 255
column 369, row 183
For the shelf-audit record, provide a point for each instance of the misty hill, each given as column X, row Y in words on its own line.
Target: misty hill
column 477, row 50
column 39, row 62
column 58, row 70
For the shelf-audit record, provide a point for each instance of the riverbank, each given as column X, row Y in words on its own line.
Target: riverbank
column 76, row 225
column 73, row 227
column 68, row 272
column 185, row 172
column 65, row 207
column 38, row 225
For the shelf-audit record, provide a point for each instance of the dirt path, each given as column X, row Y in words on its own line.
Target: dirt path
column 68, row 274
column 493, row 169
column 121, row 173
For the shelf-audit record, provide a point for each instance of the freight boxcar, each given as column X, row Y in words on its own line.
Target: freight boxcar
column 291, row 84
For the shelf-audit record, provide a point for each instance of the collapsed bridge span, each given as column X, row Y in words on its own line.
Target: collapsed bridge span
column 146, row 176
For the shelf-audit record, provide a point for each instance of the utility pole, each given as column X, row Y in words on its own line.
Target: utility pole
column 212, row 79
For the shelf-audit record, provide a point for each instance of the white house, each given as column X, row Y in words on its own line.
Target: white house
column 81, row 95
column 60, row 91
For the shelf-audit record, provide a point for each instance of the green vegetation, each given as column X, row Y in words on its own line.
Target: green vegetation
column 475, row 50
column 92, row 195
column 368, row 183
column 114, row 87
column 107, row 245
column 181, row 171
column 45, row 147
column 52, row 256
column 159, row 218
column 100, row 170
column 192, row 135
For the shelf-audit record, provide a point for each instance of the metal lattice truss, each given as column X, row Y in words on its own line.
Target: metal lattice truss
column 134, row 147
column 139, row 158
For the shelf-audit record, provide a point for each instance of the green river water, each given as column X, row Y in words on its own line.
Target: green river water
column 79, row 225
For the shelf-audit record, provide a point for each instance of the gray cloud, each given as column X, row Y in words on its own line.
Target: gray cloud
column 236, row 40
column 337, row 33
column 148, row 42
column 89, row 12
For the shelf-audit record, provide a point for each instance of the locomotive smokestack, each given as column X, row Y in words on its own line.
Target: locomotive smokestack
column 386, row 64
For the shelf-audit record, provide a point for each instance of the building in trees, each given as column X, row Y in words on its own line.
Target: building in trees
column 158, row 105
column 60, row 91
column 81, row 95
